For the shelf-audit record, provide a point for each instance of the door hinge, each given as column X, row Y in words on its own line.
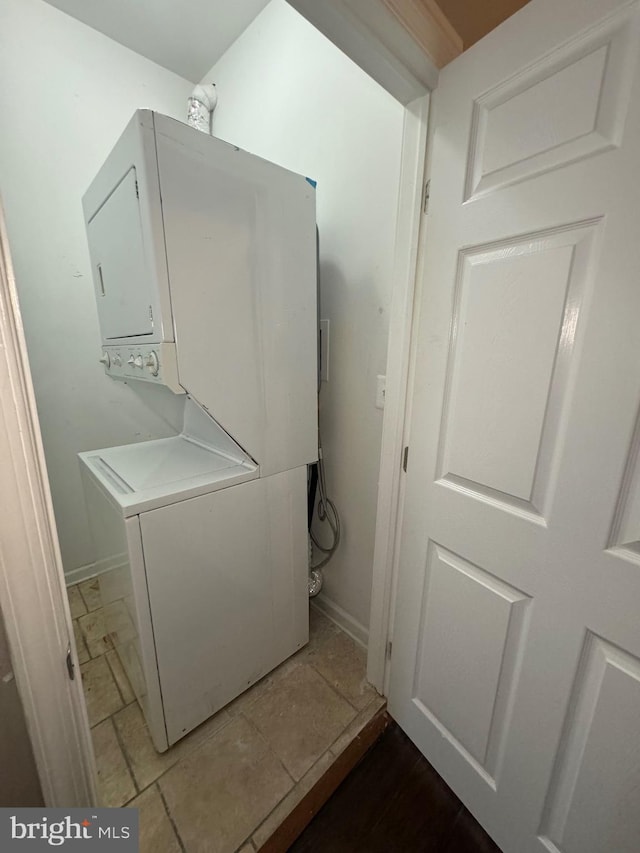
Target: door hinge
column 137, row 190
column 71, row 668
column 425, row 202
column 405, row 458
column 389, row 649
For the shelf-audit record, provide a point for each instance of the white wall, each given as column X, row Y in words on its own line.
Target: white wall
column 287, row 94
column 66, row 93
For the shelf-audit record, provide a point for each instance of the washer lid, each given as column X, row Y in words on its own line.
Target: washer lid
column 161, row 463
column 156, row 473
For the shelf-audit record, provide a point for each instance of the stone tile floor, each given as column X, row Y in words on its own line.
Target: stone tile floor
column 230, row 783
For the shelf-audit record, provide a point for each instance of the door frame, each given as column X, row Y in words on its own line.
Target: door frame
column 412, row 200
column 33, row 597
column 401, row 44
column 32, row 589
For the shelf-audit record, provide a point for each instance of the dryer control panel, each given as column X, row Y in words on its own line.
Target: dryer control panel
column 155, row 363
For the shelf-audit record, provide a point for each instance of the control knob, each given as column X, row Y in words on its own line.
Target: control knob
column 152, row 363
column 106, row 360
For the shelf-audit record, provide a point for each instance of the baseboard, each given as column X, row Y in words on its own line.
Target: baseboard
column 342, row 619
column 92, row 570
column 82, row 573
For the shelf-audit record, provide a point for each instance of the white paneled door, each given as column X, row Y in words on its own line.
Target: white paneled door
column 516, row 640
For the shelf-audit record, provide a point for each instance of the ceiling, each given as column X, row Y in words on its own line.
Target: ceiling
column 472, row 19
column 187, row 38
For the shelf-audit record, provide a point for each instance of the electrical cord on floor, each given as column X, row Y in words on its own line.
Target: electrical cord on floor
column 327, row 513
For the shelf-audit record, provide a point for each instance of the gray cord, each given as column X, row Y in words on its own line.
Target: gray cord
column 328, row 513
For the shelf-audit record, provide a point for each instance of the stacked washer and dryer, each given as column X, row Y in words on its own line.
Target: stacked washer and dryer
column 204, row 263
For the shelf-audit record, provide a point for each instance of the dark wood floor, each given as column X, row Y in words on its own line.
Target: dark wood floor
column 394, row 802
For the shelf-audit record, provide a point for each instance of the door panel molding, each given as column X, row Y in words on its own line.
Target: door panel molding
column 592, row 765
column 475, row 619
column 601, row 61
column 530, row 462
column 624, row 539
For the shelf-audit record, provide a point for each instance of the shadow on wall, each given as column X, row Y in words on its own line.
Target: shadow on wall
column 350, row 427
column 20, row 786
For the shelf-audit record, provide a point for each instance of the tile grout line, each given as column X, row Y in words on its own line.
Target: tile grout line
column 84, row 600
column 295, row 785
column 84, row 642
column 154, row 783
column 83, row 604
column 124, row 754
column 187, row 754
column 249, row 838
column 273, row 752
column 115, row 732
column 361, row 711
column 124, row 705
column 171, row 820
column 339, row 695
column 335, row 689
column 113, row 675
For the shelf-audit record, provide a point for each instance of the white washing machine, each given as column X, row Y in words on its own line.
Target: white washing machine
column 204, row 261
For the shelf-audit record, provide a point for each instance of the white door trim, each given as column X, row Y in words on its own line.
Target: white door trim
column 387, row 40
column 32, row 589
column 410, row 209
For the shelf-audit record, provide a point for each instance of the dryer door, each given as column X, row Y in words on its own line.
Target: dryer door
column 124, row 287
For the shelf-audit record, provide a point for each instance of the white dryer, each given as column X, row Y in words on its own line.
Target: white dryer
column 204, row 261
